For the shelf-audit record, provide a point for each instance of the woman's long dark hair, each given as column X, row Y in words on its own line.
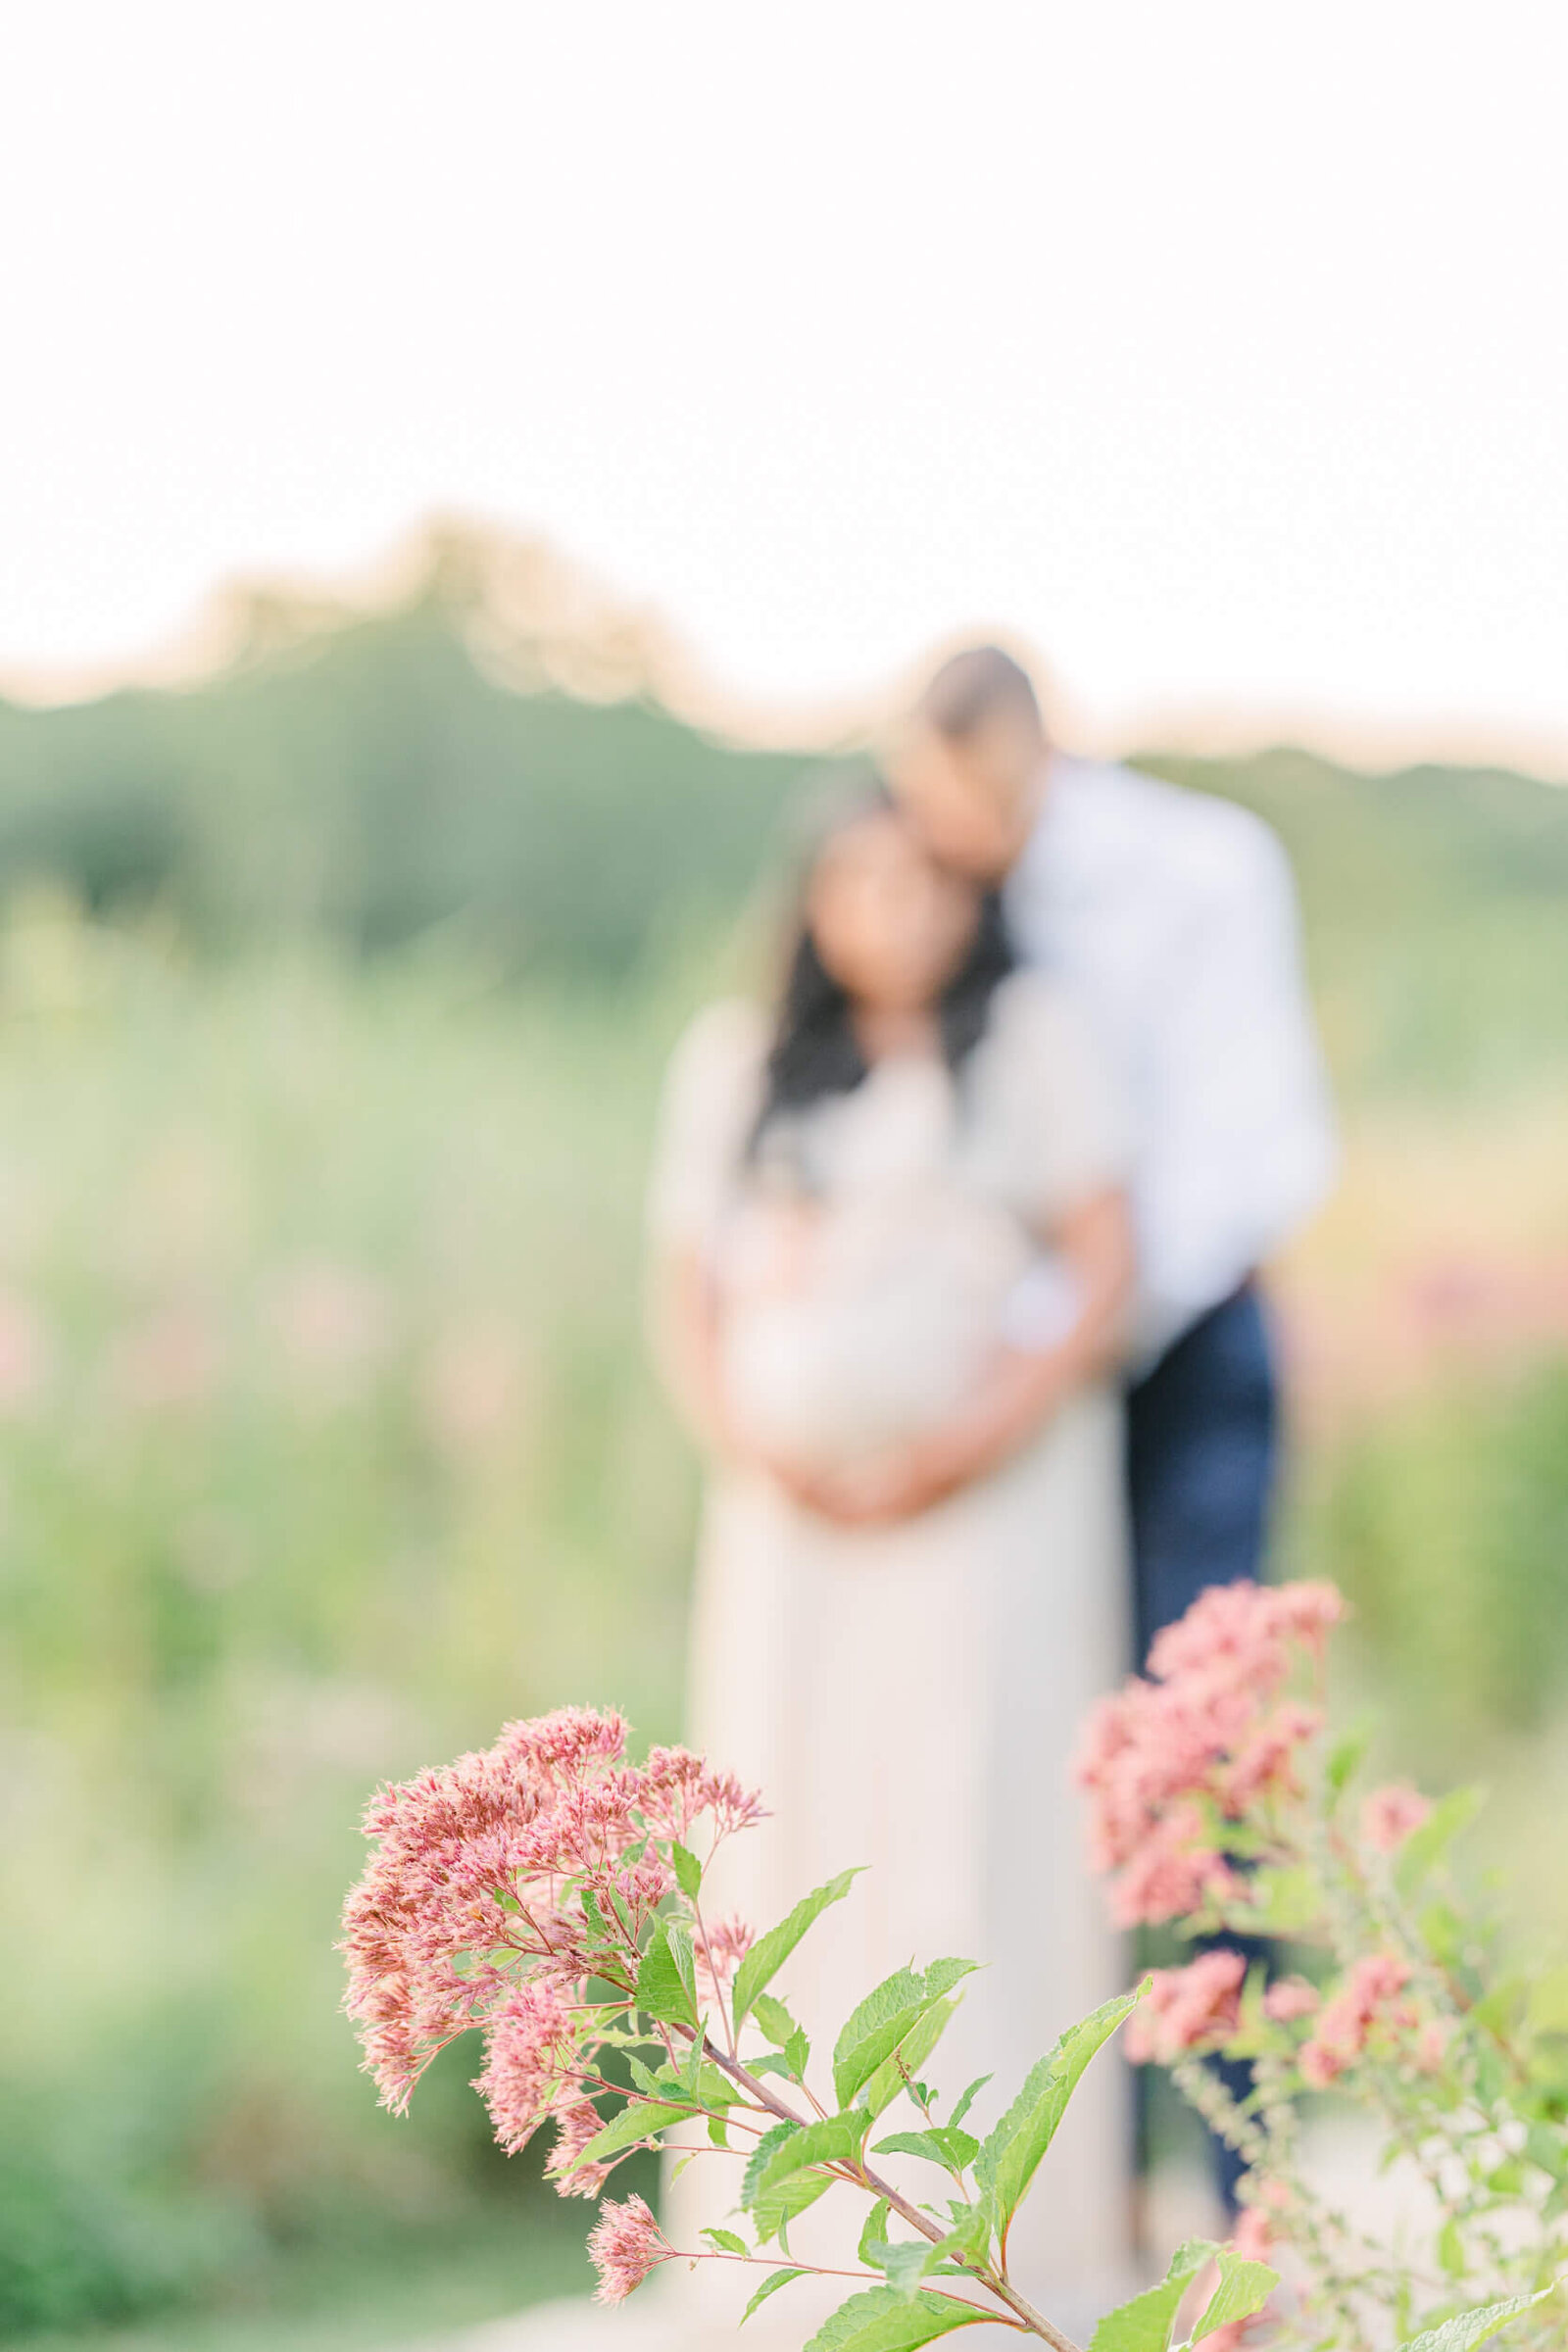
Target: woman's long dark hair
column 815, row 1050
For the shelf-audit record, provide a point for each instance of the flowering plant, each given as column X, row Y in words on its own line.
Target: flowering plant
column 1217, row 1806
column 550, row 1893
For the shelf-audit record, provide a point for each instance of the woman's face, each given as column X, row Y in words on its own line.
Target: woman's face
column 890, row 925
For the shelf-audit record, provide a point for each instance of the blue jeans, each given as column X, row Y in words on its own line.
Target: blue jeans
column 1201, row 1445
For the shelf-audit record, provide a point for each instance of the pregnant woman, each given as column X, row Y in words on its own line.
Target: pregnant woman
column 891, row 1260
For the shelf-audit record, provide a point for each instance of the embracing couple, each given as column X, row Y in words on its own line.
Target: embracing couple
column 955, row 1246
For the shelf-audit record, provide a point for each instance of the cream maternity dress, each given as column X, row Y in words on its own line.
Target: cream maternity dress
column 908, row 1697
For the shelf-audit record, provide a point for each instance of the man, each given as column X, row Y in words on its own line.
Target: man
column 1171, row 915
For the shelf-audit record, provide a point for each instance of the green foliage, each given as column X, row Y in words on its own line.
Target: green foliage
column 769, row 1952
column 1145, row 2324
column 881, row 2021
column 1472, row 2328
column 1012, row 2154
column 881, row 2320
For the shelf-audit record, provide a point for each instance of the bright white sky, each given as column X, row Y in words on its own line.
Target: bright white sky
column 1219, row 348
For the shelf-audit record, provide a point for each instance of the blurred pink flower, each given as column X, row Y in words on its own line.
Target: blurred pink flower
column 1389, row 1815
column 472, row 1384
column 1187, row 2008
column 26, row 1354
column 170, row 1361
column 1292, row 1997
column 335, row 1323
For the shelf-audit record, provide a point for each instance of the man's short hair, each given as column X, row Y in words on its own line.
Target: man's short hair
column 973, row 687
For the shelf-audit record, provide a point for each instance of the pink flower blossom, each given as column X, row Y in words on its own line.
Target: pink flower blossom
column 1389, row 1815
column 527, row 2052
column 575, row 2126
column 1189, row 2008
column 623, row 2247
column 1320, row 2065
column 1210, row 1732
column 1292, row 1997
column 719, row 1953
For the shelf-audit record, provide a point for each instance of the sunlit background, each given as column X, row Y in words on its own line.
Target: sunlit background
column 357, row 870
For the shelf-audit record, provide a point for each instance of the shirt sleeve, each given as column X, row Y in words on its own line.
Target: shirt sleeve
column 712, row 1092
column 1239, row 1142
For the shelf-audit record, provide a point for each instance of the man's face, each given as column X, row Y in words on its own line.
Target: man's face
column 975, row 801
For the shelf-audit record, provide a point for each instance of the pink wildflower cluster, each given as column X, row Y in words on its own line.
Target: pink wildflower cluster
column 1210, row 1735
column 1370, row 1999
column 623, row 2246
column 1190, row 2008
column 503, row 1886
column 1390, row 1815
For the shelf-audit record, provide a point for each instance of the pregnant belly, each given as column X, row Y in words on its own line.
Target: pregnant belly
column 823, row 1382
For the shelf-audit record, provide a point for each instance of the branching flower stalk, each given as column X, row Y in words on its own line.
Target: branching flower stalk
column 1217, row 1808
column 547, row 1894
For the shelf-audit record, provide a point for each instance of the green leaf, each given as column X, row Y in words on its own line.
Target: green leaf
column 726, row 2241
column 1473, row 2327
column 836, row 2140
column 909, row 2056
column 770, row 2287
column 1010, row 2155
column 906, row 2261
column 774, row 2208
column 1347, row 1758
column 1451, row 2249
column 876, row 2028
column 1244, row 2288
column 874, row 2236
column 797, row 2053
column 637, row 2121
column 1284, row 1902
column 1145, row 2324
column 1424, row 1848
column 882, row 2321
column 943, row 2145
column 688, row 1870
column 967, row 2098
column 664, row 1990
column 773, row 2018
column 769, row 1952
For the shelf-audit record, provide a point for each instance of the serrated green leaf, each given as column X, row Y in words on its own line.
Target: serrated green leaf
column 773, row 2018
column 1010, row 2154
column 835, row 2140
column 1425, row 1846
column 770, row 2287
column 1244, row 2288
column 726, row 2241
column 644, row 2078
column 688, row 1870
column 774, row 2209
column 662, row 1990
column 798, row 2053
column 1145, row 2324
column 1472, row 2328
column 881, row 2321
column 874, row 2236
column 907, row 2262
column 912, row 2054
column 771, row 2062
column 942, row 2143
column 769, row 1952
column 880, row 2022
column 637, row 2121
column 967, row 2098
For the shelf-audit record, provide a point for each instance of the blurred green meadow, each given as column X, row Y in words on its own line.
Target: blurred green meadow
column 334, row 992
